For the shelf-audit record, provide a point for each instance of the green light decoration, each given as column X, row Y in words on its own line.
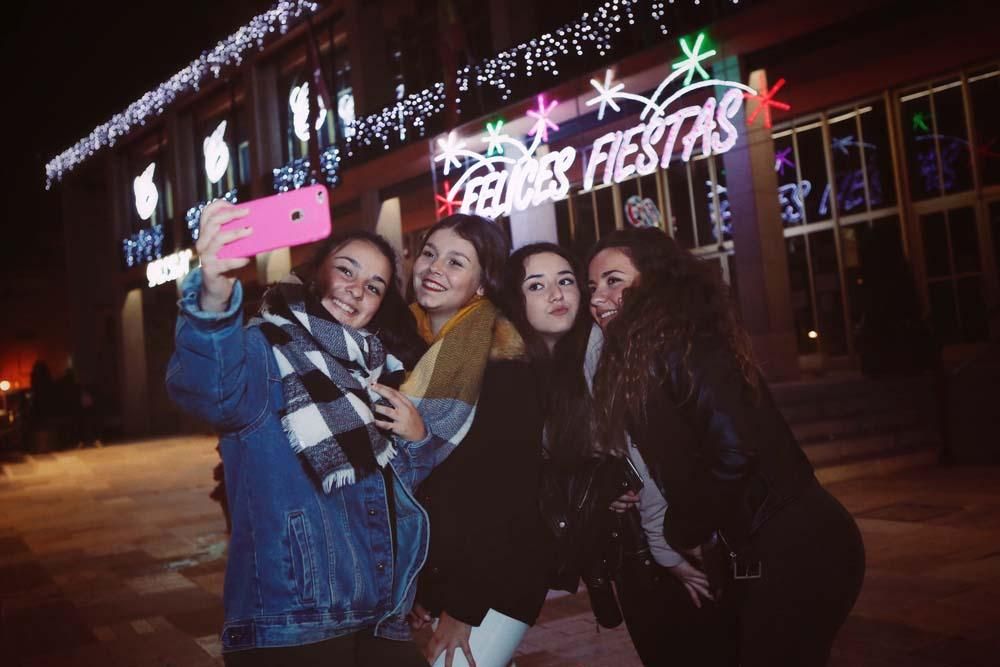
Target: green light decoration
column 692, row 62
column 494, row 138
column 920, row 122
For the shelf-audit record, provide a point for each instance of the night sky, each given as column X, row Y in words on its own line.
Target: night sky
column 68, row 66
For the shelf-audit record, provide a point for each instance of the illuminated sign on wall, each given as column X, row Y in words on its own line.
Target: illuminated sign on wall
column 512, row 176
column 642, row 212
column 298, row 102
column 216, row 153
column 146, row 196
column 169, row 268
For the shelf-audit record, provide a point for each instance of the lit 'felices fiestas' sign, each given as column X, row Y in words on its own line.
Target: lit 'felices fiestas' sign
column 512, row 176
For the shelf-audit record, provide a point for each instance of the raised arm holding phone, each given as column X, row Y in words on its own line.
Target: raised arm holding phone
column 320, row 452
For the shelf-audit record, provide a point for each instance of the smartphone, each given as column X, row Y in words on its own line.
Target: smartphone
column 280, row 221
column 633, row 480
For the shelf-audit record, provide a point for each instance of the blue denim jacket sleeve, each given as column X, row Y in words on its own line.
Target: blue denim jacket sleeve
column 210, row 372
column 418, row 458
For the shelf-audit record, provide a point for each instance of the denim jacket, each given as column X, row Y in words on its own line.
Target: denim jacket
column 304, row 565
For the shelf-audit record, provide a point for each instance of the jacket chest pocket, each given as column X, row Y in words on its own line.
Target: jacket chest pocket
column 303, row 572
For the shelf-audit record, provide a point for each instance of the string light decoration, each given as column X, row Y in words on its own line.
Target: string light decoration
column 144, row 246
column 229, row 51
column 193, row 215
column 593, row 33
column 296, row 173
column 393, row 124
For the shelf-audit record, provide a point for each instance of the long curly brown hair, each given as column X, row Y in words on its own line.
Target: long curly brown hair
column 676, row 300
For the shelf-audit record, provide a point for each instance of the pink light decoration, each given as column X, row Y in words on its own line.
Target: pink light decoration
column 766, row 101
column 542, row 121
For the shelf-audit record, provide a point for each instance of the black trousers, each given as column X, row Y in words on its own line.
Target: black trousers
column 665, row 626
column 814, row 565
column 814, row 562
column 361, row 649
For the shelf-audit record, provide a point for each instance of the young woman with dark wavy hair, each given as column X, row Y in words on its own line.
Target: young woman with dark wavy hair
column 677, row 388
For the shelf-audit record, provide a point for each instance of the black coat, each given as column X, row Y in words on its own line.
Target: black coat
column 722, row 455
column 488, row 546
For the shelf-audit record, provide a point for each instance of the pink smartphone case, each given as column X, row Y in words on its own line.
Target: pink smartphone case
column 283, row 220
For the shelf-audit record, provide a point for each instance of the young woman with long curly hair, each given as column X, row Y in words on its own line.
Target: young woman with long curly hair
column 612, row 540
column 676, row 387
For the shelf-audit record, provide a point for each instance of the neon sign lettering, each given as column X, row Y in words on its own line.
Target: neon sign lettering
column 513, row 176
column 168, row 268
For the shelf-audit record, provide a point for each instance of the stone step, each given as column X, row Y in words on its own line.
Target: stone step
column 878, row 466
column 867, row 446
column 865, row 423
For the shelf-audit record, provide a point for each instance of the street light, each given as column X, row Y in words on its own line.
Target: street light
column 4, row 388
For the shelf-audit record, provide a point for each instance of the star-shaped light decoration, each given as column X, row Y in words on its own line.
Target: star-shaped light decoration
column 494, row 138
column 605, row 94
column 766, row 99
column 542, row 121
column 782, row 160
column 450, row 147
column 447, row 206
column 692, row 62
column 842, row 144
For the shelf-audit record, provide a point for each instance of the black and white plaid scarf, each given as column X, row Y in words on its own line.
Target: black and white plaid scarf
column 325, row 370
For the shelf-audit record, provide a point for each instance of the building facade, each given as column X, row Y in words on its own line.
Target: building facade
column 801, row 147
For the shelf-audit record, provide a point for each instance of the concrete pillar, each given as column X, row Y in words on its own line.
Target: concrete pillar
column 265, row 132
column 390, row 223
column 371, row 209
column 182, row 162
column 92, row 248
column 758, row 238
column 371, row 82
column 273, row 266
column 135, row 395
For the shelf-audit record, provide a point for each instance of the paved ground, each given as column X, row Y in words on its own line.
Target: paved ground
column 115, row 557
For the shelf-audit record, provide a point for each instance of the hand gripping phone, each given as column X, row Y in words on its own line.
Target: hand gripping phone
column 280, row 221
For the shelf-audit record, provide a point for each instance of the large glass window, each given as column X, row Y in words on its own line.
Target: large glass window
column 954, row 274
column 875, row 146
column 984, row 93
column 830, row 193
column 936, row 140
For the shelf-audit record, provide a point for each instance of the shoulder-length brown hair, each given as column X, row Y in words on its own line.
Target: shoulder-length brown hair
column 489, row 242
column 677, row 301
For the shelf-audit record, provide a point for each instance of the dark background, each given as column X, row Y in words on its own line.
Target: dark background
column 68, row 66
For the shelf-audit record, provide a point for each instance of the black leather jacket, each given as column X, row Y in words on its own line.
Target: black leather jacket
column 591, row 542
column 721, row 454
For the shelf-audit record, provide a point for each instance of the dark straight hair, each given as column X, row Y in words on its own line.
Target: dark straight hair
column 566, row 398
column 393, row 322
column 489, row 242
